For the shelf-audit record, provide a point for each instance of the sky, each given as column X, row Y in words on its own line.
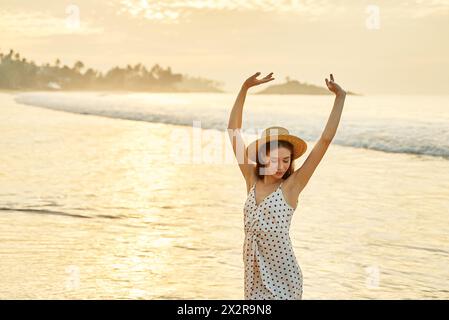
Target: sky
column 371, row 47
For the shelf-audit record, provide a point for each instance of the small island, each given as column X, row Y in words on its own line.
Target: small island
column 295, row 87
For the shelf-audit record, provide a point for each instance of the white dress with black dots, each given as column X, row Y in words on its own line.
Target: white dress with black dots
column 271, row 269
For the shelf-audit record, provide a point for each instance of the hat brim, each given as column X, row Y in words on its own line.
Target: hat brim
column 299, row 145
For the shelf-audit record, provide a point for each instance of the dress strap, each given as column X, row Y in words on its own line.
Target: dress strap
column 254, row 186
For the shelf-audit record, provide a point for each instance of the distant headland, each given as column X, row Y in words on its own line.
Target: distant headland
column 18, row 73
column 295, row 87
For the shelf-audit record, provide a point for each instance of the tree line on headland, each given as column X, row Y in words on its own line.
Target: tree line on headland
column 19, row 73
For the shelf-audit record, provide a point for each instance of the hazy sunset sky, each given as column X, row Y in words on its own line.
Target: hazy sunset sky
column 372, row 47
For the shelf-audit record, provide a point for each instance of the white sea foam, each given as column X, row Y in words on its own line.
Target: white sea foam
column 416, row 125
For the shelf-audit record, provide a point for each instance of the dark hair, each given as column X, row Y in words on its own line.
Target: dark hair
column 266, row 148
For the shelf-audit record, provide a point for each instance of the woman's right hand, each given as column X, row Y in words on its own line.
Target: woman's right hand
column 253, row 81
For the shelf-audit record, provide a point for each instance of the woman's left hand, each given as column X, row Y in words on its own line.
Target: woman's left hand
column 334, row 87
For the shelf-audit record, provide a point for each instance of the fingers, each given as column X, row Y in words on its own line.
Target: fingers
column 330, row 83
column 258, row 74
column 267, row 80
column 264, row 80
column 254, row 81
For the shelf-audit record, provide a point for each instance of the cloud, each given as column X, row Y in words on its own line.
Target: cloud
column 417, row 8
column 41, row 24
column 175, row 10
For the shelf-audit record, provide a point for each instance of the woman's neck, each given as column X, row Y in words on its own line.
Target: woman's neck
column 270, row 180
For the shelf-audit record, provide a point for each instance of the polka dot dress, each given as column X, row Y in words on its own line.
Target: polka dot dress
column 271, row 269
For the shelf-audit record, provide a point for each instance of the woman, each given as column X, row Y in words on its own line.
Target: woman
column 273, row 187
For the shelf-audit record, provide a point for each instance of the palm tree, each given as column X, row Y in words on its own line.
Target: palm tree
column 78, row 66
column 137, row 67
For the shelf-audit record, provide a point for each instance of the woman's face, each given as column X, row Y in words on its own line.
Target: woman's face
column 278, row 162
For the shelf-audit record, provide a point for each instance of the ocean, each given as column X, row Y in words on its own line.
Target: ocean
column 134, row 195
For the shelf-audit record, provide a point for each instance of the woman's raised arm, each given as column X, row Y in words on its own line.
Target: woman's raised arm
column 235, row 124
column 302, row 175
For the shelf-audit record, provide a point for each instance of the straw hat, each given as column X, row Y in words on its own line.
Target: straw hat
column 280, row 134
